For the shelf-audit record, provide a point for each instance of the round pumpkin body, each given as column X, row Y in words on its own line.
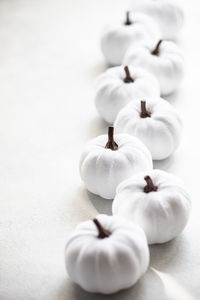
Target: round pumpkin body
column 159, row 129
column 165, row 62
column 115, row 89
column 117, row 38
column 106, row 263
column 102, row 168
column 157, row 201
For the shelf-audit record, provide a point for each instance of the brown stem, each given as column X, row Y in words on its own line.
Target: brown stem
column 103, row 233
column 128, row 77
column 156, row 51
column 150, row 187
column 144, row 112
column 111, row 143
column 128, row 21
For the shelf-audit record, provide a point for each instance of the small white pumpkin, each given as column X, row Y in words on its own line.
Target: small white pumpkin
column 107, row 161
column 156, row 201
column 155, row 122
column 164, row 61
column 168, row 14
column 136, row 29
column 119, row 85
column 107, row 254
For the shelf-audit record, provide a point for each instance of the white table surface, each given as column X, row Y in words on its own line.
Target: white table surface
column 49, row 59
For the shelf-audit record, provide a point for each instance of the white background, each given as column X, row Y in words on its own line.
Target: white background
column 49, row 59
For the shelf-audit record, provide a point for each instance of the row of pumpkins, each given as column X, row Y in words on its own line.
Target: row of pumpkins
column 150, row 206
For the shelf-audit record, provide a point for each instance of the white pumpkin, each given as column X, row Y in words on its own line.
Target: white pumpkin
column 107, row 161
column 135, row 29
column 156, row 201
column 164, row 61
column 119, row 85
column 155, row 122
column 107, row 254
column 168, row 14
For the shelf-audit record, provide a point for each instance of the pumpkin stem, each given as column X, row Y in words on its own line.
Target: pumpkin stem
column 156, row 51
column 128, row 77
column 103, row 233
column 150, row 187
column 111, row 143
column 128, row 21
column 144, row 112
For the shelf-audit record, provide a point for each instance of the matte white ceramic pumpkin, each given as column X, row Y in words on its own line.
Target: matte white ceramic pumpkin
column 108, row 160
column 135, row 29
column 107, row 254
column 168, row 14
column 163, row 60
column 155, row 122
column 157, row 201
column 119, row 85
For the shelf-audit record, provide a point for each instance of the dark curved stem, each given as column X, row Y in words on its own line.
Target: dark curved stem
column 156, row 51
column 111, row 143
column 144, row 112
column 150, row 187
column 128, row 77
column 128, row 21
column 103, row 233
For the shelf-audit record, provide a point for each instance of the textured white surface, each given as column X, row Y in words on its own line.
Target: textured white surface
column 49, row 59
